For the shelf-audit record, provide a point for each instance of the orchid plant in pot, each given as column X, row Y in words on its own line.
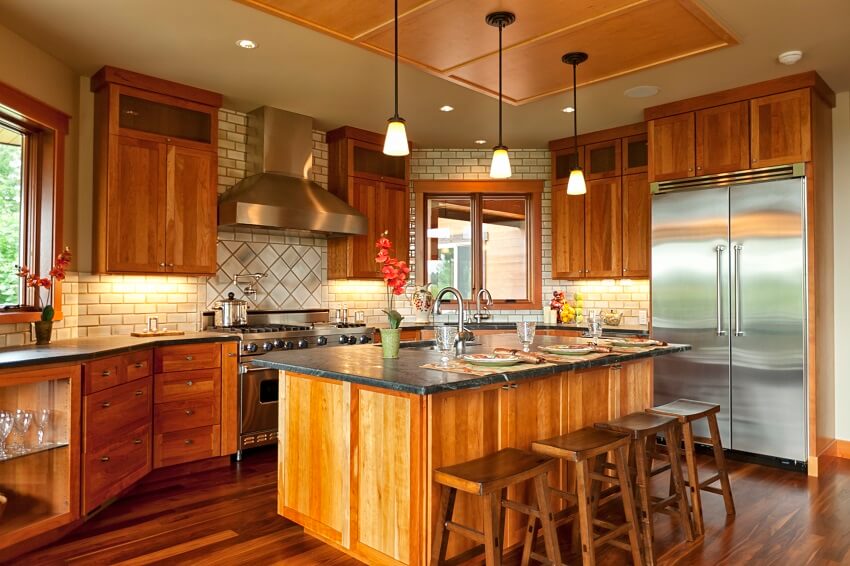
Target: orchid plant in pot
column 395, row 273
column 44, row 327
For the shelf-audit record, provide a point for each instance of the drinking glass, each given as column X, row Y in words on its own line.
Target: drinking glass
column 445, row 337
column 525, row 332
column 42, row 419
column 23, row 420
column 7, row 421
column 594, row 326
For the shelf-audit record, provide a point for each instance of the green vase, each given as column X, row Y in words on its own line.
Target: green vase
column 43, row 329
column 390, row 341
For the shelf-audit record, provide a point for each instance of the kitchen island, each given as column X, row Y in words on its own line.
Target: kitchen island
column 359, row 436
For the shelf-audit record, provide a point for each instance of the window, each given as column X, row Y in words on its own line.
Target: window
column 475, row 234
column 32, row 149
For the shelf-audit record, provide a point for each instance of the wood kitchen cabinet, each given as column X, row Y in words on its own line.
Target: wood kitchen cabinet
column 671, row 147
column 637, row 219
column 563, row 161
column 635, row 154
column 722, row 139
column 602, row 160
column 567, row 234
column 603, row 229
column 377, row 186
column 155, row 175
column 781, row 129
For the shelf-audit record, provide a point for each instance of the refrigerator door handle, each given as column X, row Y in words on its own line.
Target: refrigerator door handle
column 739, row 331
column 718, row 251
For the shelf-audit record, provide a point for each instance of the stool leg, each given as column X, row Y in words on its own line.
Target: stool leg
column 588, row 553
column 720, row 462
column 693, row 478
column 550, row 535
column 530, row 537
column 441, row 535
column 639, row 448
column 628, row 505
column 679, row 482
column 492, row 534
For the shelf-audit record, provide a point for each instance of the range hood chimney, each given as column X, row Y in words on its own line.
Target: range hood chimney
column 277, row 192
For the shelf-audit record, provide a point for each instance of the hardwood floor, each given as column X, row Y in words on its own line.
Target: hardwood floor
column 227, row 516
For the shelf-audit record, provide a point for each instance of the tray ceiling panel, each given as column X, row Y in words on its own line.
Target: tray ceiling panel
column 450, row 38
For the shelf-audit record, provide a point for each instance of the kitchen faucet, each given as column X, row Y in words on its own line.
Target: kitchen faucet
column 460, row 343
column 488, row 298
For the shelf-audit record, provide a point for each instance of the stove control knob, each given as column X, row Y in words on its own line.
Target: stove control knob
column 365, row 339
column 249, row 347
column 352, row 339
column 278, row 343
column 302, row 343
column 343, row 339
column 321, row 340
column 268, row 346
column 288, row 345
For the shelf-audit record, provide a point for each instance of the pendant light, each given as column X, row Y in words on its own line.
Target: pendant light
column 395, row 142
column 576, row 184
column 500, row 165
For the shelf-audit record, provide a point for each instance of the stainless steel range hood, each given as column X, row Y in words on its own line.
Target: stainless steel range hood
column 277, row 192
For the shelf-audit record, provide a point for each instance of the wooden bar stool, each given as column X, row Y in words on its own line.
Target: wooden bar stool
column 643, row 429
column 489, row 478
column 584, row 447
column 687, row 411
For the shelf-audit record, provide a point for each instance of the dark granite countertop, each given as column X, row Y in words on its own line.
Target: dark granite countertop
column 630, row 330
column 83, row 349
column 365, row 365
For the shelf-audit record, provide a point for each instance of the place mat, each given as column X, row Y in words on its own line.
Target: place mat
column 458, row 366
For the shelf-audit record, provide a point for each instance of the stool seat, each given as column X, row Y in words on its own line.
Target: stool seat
column 491, row 473
column 686, row 410
column 638, row 424
column 582, row 444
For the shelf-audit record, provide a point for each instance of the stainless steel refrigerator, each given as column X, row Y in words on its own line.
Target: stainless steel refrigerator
column 729, row 278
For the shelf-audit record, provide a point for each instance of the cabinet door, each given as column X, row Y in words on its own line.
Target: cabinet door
column 636, row 222
column 364, row 197
column 394, row 217
column 723, row 143
column 635, row 154
column 603, row 228
column 781, row 130
column 567, row 234
column 671, row 147
column 135, row 206
column 602, row 160
column 190, row 228
column 564, row 161
column 368, row 161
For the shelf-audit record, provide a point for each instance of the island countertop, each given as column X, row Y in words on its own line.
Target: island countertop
column 365, row 365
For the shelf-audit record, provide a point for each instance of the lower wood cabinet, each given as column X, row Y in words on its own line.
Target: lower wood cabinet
column 186, row 446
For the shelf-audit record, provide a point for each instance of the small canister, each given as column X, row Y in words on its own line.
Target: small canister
column 360, row 317
column 153, row 324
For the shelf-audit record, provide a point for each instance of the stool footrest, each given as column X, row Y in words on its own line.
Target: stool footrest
column 540, row 558
column 464, row 556
column 604, row 478
column 453, row 527
column 609, row 537
column 571, row 498
column 712, row 489
column 521, row 507
column 703, row 440
column 660, row 470
column 659, row 503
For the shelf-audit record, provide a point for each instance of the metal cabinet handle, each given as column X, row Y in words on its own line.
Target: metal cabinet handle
column 189, row 358
column 506, row 387
column 190, row 412
column 106, row 405
column 104, row 458
column 137, row 441
column 718, row 251
column 231, row 355
column 617, row 366
column 739, row 331
column 162, row 264
column 190, row 383
column 106, row 373
column 188, row 441
column 139, row 393
column 139, row 365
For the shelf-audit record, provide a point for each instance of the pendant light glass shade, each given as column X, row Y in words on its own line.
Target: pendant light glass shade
column 395, row 142
column 576, row 184
column 500, row 165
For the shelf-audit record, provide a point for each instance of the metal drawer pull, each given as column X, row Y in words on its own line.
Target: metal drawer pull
column 188, row 441
column 106, row 373
column 506, row 387
column 137, row 441
column 190, row 383
column 190, row 412
column 104, row 458
column 139, row 365
column 189, row 358
column 139, row 393
column 106, row 404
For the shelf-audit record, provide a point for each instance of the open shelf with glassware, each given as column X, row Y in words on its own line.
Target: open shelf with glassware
column 39, row 451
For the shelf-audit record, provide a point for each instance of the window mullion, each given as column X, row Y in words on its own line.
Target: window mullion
column 477, row 226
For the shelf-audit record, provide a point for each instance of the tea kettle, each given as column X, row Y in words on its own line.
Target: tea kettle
column 231, row 312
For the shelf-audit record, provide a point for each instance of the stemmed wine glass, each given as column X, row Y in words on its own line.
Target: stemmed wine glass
column 23, row 420
column 7, row 421
column 525, row 333
column 445, row 337
column 42, row 419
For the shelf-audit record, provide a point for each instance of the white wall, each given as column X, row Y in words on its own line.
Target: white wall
column 841, row 207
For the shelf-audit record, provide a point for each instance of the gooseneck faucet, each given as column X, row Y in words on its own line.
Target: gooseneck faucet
column 460, row 344
column 488, row 302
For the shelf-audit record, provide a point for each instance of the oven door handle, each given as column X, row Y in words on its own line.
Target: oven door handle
column 248, row 368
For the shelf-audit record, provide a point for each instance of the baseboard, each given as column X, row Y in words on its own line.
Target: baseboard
column 840, row 449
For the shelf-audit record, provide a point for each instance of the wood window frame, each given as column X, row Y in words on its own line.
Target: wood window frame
column 46, row 128
column 529, row 189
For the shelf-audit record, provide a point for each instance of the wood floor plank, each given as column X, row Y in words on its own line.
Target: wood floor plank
column 177, row 549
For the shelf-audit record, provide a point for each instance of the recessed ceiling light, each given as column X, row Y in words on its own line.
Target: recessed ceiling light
column 480, row 142
column 246, row 44
column 568, row 109
column 641, row 91
column 446, row 108
column 790, row 57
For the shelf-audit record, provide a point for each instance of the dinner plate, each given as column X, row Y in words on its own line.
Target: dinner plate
column 633, row 343
column 563, row 350
column 490, row 360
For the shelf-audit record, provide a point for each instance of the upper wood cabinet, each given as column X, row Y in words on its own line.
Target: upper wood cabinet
column 376, row 185
column 722, row 139
column 781, row 130
column 567, row 234
column 156, row 167
column 602, row 160
column 564, row 161
column 603, row 228
column 637, row 203
column 635, row 154
column 671, row 147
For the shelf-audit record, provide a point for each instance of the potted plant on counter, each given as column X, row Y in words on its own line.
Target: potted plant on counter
column 395, row 273
column 44, row 327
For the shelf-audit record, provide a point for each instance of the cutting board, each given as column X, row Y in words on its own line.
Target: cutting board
column 146, row 334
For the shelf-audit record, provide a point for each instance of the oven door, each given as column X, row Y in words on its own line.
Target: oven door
column 258, row 395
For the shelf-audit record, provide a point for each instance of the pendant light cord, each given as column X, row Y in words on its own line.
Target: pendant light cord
column 501, row 25
column 575, row 117
column 396, row 60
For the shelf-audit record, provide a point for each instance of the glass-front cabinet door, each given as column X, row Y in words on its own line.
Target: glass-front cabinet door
column 39, row 451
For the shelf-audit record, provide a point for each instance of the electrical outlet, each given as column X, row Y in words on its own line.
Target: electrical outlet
column 641, row 317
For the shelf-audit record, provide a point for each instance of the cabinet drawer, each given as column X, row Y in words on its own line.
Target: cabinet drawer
column 186, row 446
column 187, row 385
column 182, row 415
column 116, row 466
column 138, row 364
column 104, row 373
column 187, row 357
column 108, row 414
